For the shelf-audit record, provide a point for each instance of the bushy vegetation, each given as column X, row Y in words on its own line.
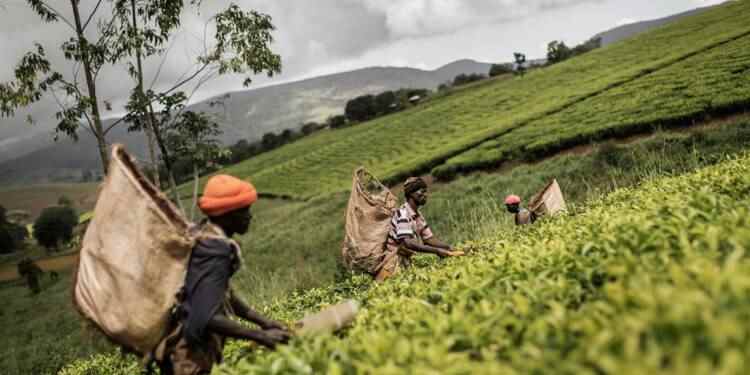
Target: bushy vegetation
column 649, row 279
column 710, row 83
column 418, row 139
column 295, row 245
column 54, row 226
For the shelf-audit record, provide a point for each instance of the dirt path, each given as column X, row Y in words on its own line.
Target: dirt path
column 58, row 263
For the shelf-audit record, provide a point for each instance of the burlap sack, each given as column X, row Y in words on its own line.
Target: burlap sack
column 549, row 201
column 368, row 218
column 133, row 258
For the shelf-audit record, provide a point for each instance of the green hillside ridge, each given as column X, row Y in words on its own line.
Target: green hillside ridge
column 416, row 140
column 590, row 292
column 712, row 82
column 298, row 241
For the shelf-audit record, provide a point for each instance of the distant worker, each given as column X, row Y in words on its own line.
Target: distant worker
column 31, row 272
column 410, row 233
column 197, row 342
column 522, row 215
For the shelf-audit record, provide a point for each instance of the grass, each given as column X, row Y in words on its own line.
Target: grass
column 418, row 139
column 651, row 278
column 42, row 332
column 294, row 246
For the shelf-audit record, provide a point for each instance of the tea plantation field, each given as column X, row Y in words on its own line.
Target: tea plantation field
column 417, row 140
column 715, row 81
column 650, row 279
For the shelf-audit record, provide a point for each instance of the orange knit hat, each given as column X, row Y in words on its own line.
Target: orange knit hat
column 224, row 193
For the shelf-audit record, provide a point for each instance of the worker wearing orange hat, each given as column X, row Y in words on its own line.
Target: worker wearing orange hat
column 196, row 344
column 522, row 216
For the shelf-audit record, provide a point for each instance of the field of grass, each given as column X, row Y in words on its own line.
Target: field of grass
column 34, row 198
column 294, row 246
column 42, row 332
column 651, row 278
column 416, row 140
column 712, row 82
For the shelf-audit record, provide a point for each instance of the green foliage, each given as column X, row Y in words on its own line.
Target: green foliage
column 43, row 332
column 416, row 140
column 500, row 69
column 463, row 79
column 557, row 52
column 361, row 108
column 649, row 279
column 54, row 226
column 708, row 83
column 294, row 245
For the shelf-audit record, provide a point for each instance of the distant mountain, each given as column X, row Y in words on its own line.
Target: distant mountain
column 626, row 31
column 246, row 114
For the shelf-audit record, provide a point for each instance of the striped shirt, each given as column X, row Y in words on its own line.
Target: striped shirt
column 407, row 223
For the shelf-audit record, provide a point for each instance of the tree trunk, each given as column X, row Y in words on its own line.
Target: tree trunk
column 195, row 192
column 150, row 124
column 91, row 85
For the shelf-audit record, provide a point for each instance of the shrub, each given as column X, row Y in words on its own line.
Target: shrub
column 55, row 226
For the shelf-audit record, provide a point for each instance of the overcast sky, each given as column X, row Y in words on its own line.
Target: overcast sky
column 316, row 37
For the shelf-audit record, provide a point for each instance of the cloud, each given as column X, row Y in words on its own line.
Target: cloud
column 625, row 21
column 420, row 18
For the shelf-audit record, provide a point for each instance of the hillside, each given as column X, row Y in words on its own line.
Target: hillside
column 588, row 292
column 246, row 114
column 626, row 31
column 703, row 59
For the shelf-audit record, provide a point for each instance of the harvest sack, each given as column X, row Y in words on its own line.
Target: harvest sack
column 133, row 258
column 549, row 201
column 368, row 220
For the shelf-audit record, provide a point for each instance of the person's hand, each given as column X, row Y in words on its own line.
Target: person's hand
column 273, row 337
column 272, row 324
column 451, row 253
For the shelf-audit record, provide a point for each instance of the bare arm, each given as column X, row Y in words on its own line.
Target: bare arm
column 414, row 245
column 435, row 242
column 244, row 311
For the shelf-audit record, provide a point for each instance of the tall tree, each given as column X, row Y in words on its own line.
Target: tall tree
column 240, row 45
column 34, row 75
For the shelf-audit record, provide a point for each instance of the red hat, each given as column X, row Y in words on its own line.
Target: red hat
column 512, row 199
column 224, row 193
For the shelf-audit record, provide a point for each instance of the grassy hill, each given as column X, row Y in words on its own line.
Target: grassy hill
column 419, row 139
column 590, row 292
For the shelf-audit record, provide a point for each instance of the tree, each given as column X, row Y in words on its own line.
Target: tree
column 34, row 75
column 64, row 201
column 361, row 108
column 384, row 101
column 241, row 45
column 192, row 137
column 463, row 79
column 54, row 226
column 338, row 121
column 310, row 127
column 557, row 52
column 519, row 63
column 500, row 69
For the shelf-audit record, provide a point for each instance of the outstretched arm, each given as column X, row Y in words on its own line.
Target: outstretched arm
column 414, row 245
column 224, row 326
column 244, row 311
column 434, row 242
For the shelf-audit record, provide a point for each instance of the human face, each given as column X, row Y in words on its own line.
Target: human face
column 420, row 196
column 512, row 208
column 243, row 220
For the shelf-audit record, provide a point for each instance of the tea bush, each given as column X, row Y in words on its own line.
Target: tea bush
column 709, row 83
column 653, row 278
column 413, row 141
